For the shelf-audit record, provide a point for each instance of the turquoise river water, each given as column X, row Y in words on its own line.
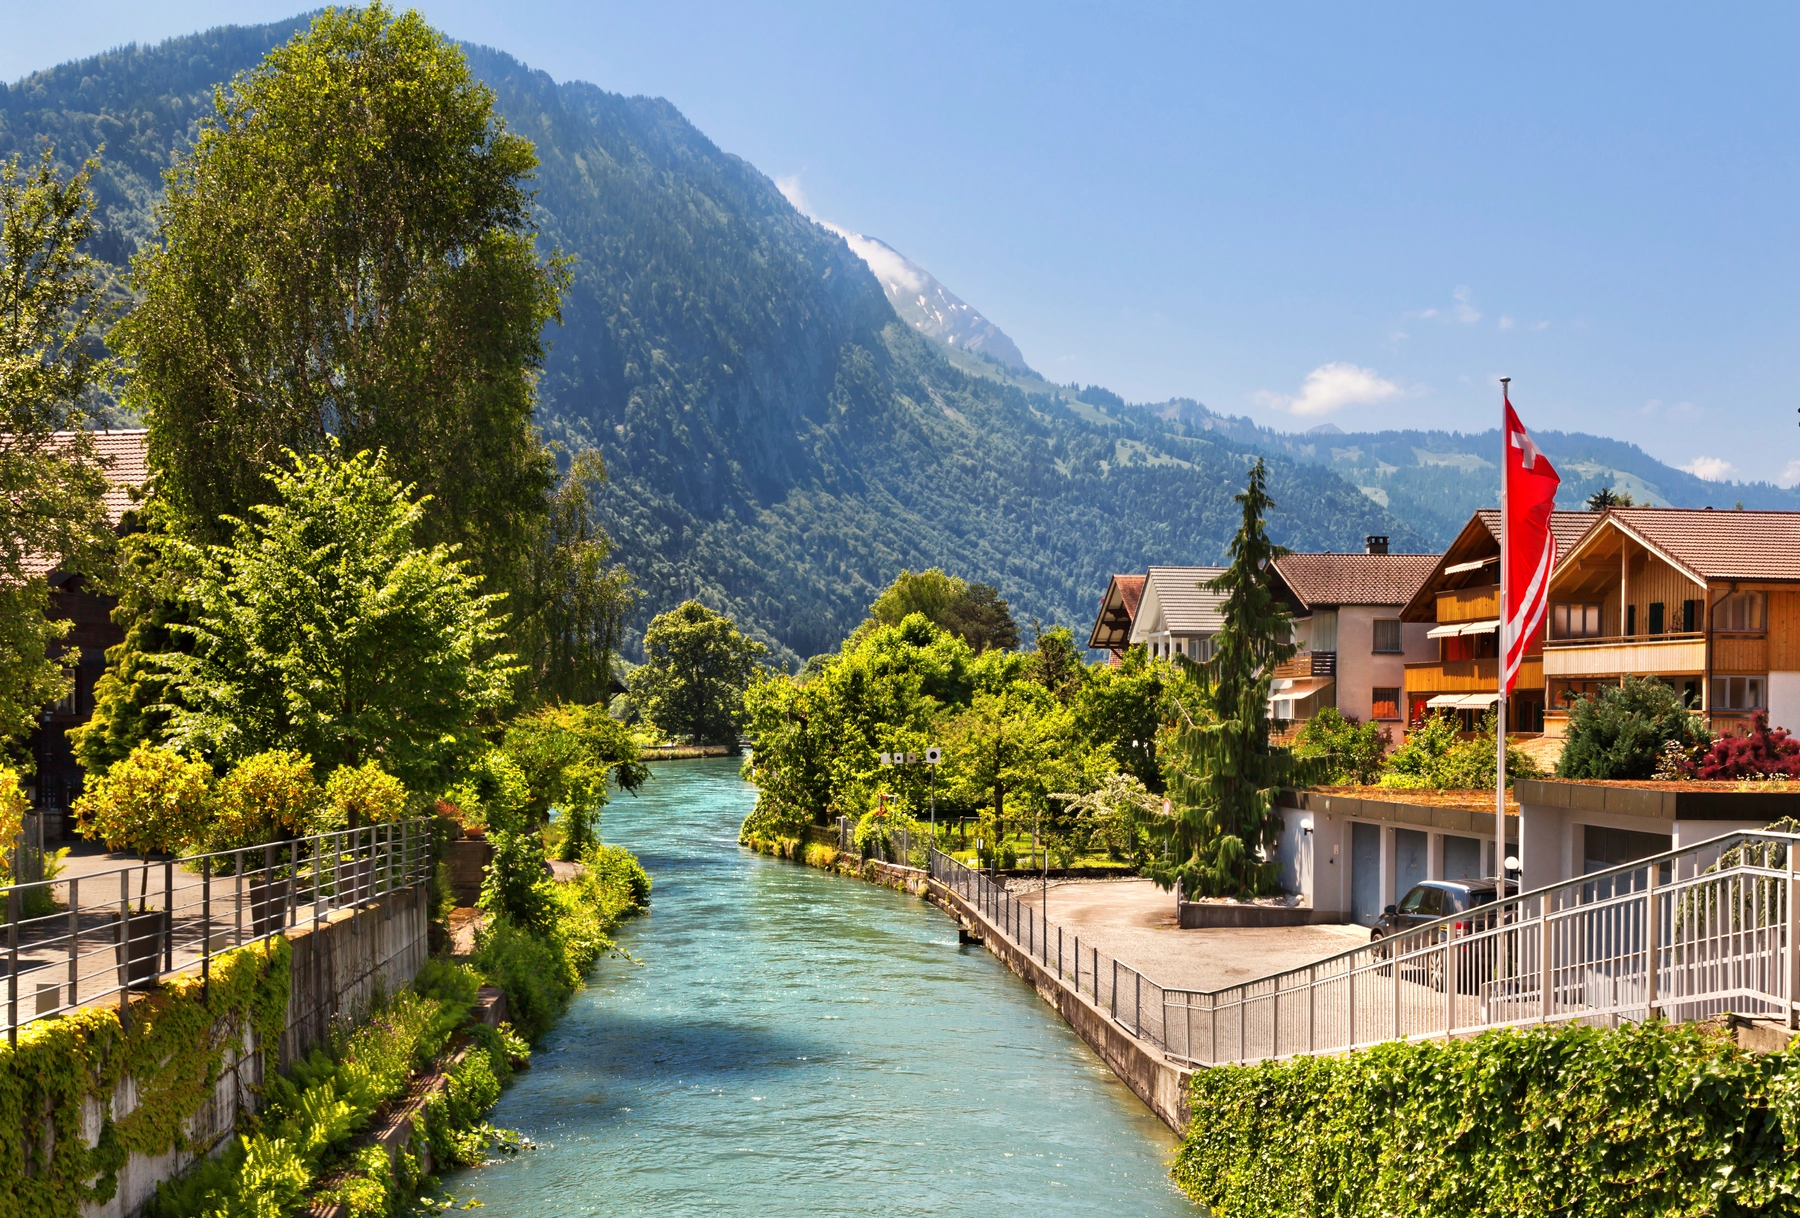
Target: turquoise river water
column 794, row 1042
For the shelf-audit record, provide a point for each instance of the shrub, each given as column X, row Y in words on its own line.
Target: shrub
column 1624, row 731
column 365, row 793
column 1343, row 750
column 516, row 885
column 1651, row 1118
column 878, row 832
column 264, row 797
column 1434, row 756
column 12, row 816
column 150, row 800
column 1764, row 753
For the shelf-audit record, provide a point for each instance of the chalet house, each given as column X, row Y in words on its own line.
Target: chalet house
column 1353, row 646
column 1117, row 615
column 1707, row 601
column 1177, row 615
column 58, row 779
column 1459, row 603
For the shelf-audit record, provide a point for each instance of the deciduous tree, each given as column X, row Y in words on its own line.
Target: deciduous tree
column 695, row 671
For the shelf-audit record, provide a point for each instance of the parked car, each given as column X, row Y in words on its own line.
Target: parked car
column 1434, row 900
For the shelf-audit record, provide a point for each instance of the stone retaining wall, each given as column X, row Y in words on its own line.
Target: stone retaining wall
column 338, row 965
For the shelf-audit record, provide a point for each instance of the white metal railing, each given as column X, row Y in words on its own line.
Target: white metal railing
column 74, row 941
column 1685, row 935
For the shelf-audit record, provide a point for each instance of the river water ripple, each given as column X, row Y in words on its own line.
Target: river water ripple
column 795, row 1042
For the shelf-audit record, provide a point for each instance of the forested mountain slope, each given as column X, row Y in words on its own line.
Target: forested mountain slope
column 780, row 444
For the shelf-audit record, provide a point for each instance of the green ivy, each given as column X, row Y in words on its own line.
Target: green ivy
column 173, row 1049
column 1650, row 1119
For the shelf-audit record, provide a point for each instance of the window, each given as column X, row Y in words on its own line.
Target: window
column 1690, row 616
column 1415, row 900
column 1656, row 617
column 1630, row 620
column 1739, row 611
column 1387, row 634
column 1738, row 693
column 1572, row 621
column 1386, row 702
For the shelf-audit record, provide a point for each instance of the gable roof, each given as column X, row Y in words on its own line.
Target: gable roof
column 1714, row 545
column 1324, row 580
column 1117, row 613
column 1173, row 596
column 1479, row 540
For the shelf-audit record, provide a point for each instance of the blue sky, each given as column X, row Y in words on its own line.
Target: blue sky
column 1341, row 213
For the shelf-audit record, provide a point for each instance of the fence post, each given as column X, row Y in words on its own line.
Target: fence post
column 74, row 937
column 1396, row 979
column 1653, row 944
column 1350, row 1007
column 1312, row 998
column 1243, row 1024
column 1059, row 968
column 205, row 928
column 1275, row 1020
column 1449, row 980
column 1545, row 940
column 1137, row 1005
column 168, row 916
column 14, row 907
column 1115, row 986
column 125, row 938
column 1793, row 944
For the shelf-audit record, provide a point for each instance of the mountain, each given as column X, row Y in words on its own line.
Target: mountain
column 928, row 306
column 780, row 442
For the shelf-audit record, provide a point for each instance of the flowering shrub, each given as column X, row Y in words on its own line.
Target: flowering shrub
column 150, row 800
column 1764, row 753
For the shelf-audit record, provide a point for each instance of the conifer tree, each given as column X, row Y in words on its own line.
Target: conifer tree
column 1222, row 773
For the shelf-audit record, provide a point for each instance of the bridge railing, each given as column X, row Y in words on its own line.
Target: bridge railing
column 1685, row 934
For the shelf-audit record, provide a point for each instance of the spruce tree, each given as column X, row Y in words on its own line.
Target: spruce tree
column 1222, row 773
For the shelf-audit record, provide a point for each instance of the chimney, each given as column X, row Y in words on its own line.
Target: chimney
column 1376, row 543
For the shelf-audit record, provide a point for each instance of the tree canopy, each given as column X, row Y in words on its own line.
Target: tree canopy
column 696, row 668
column 322, row 628
column 347, row 251
column 51, row 480
column 975, row 613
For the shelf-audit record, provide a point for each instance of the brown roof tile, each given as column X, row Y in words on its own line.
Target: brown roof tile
column 1567, row 527
column 123, row 455
column 1355, row 579
column 1722, row 544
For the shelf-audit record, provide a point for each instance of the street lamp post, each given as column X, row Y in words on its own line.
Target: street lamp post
column 931, row 759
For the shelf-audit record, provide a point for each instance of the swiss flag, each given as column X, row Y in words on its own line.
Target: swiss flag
column 1528, row 550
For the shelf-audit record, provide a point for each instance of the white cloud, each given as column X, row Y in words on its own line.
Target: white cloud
column 790, row 189
column 1713, row 469
column 1465, row 310
column 888, row 265
column 1506, row 323
column 1331, row 387
column 1542, row 325
column 1789, row 476
column 1423, row 314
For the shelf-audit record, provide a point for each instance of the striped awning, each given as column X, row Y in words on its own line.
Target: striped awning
column 1454, row 628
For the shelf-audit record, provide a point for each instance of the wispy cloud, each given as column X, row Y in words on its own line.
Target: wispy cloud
column 792, row 192
column 1713, row 469
column 1465, row 309
column 1506, row 323
column 1332, row 387
column 1790, row 476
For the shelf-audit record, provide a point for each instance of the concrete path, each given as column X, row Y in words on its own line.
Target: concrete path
column 1134, row 921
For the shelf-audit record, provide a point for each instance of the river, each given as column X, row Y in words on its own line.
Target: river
column 794, row 1042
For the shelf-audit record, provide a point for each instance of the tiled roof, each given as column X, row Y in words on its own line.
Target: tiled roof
column 1355, row 579
column 1117, row 613
column 1567, row 527
column 123, row 455
column 1131, row 591
column 1185, row 606
column 1721, row 544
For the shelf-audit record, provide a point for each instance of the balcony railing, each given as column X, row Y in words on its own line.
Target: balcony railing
column 1309, row 664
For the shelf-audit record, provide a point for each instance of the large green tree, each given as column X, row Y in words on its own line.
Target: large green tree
column 695, row 671
column 324, row 628
column 51, row 481
column 348, row 251
column 1222, row 773
column 975, row 613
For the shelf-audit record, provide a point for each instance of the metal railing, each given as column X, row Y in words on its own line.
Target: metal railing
column 75, row 941
column 1686, row 935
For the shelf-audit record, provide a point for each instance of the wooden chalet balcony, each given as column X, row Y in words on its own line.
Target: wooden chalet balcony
column 1469, row 676
column 1309, row 664
column 1639, row 655
column 1469, row 605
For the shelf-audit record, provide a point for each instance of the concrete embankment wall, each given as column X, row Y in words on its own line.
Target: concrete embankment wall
column 337, row 968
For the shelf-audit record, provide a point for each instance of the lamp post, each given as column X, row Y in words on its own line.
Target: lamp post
column 931, row 759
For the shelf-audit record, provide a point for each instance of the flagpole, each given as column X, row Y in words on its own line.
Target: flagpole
column 1500, row 673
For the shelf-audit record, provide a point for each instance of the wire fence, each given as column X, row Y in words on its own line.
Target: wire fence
column 75, row 941
column 1687, row 934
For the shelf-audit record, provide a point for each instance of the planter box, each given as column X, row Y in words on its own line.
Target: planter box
column 138, row 945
